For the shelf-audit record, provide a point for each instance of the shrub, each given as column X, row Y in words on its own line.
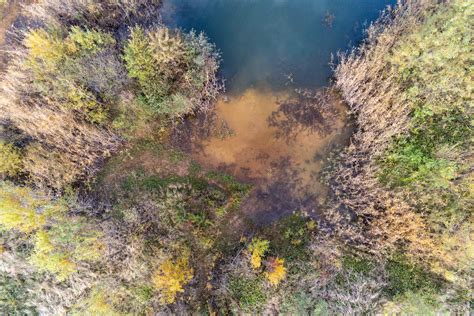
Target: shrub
column 46, row 258
column 58, row 62
column 357, row 264
column 3, row 5
column 291, row 237
column 62, row 248
column 57, row 84
column 107, row 14
column 15, row 296
column 419, row 303
column 404, row 277
column 353, row 293
column 61, row 242
column 275, row 271
column 171, row 277
column 175, row 72
column 46, row 166
column 301, row 303
column 25, row 210
column 257, row 250
column 10, row 159
column 97, row 303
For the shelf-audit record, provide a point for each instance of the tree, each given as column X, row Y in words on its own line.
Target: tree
column 175, row 72
column 170, row 278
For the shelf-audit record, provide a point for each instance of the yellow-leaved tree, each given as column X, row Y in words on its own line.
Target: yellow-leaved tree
column 170, row 278
column 61, row 242
column 257, row 250
column 275, row 271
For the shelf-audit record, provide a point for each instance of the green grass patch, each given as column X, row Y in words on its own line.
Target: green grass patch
column 290, row 237
column 248, row 292
column 14, row 296
column 404, row 277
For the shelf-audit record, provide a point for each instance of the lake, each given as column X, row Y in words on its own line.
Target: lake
column 276, row 42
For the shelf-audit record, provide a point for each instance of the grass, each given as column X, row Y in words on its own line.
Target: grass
column 405, row 277
column 248, row 292
column 290, row 237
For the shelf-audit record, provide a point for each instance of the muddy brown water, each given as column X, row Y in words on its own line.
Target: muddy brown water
column 277, row 141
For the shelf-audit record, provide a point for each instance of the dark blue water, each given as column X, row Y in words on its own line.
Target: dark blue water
column 276, row 42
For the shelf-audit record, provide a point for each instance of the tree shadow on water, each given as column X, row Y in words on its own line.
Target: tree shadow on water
column 307, row 111
column 279, row 196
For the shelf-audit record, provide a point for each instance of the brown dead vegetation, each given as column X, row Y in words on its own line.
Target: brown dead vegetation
column 388, row 219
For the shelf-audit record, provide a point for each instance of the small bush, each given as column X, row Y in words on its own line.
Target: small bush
column 15, row 296
column 97, row 303
column 291, row 236
column 355, row 293
column 67, row 243
column 257, row 250
column 49, row 166
column 59, row 62
column 25, row 210
column 107, row 14
column 10, row 159
column 171, row 277
column 404, row 277
column 61, row 242
column 301, row 303
column 356, row 264
column 410, row 303
column 275, row 271
column 47, row 258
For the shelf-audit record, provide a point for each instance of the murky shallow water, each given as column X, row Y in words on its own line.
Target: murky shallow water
column 263, row 131
column 275, row 140
column 255, row 133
